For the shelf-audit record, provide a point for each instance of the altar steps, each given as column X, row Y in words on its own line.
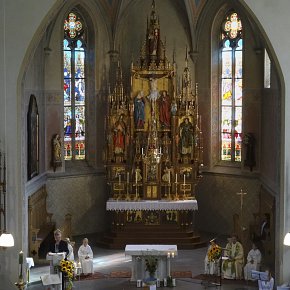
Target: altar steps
column 184, row 239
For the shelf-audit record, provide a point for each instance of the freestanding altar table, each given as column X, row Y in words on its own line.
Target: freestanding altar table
column 164, row 253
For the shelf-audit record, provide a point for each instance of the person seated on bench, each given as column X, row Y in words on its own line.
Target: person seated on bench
column 267, row 284
column 253, row 262
column 232, row 268
column 70, row 255
column 85, row 255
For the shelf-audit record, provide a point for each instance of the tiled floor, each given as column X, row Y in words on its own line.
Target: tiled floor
column 106, row 261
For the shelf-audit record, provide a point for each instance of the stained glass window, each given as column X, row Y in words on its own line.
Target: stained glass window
column 74, row 88
column 231, row 96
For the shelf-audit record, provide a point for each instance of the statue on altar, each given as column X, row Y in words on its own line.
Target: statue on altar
column 186, row 137
column 164, row 110
column 154, row 94
column 139, row 110
column 166, row 177
column 138, row 176
column 119, row 138
column 153, row 41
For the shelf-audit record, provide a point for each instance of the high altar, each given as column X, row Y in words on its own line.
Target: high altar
column 154, row 145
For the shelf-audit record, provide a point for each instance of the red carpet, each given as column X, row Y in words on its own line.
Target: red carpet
column 127, row 274
column 216, row 279
column 181, row 274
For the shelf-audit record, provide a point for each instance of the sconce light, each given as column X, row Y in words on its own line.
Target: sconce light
column 6, row 239
column 287, row 239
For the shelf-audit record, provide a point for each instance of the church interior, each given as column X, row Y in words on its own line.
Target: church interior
column 144, row 122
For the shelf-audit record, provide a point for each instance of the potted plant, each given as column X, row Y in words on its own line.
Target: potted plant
column 151, row 263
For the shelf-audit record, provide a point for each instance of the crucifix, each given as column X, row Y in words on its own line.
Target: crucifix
column 241, row 193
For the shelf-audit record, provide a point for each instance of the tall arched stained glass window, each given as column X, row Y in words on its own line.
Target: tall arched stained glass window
column 231, row 95
column 74, row 87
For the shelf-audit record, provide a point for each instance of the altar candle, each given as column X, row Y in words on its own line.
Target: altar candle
column 119, row 178
column 142, row 151
column 169, row 177
column 21, row 258
column 136, row 177
column 184, row 179
column 128, row 177
column 172, row 254
column 168, row 255
column 176, row 177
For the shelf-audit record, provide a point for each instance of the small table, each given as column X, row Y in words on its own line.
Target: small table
column 30, row 263
column 164, row 253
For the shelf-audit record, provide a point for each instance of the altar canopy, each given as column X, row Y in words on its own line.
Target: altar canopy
column 154, row 148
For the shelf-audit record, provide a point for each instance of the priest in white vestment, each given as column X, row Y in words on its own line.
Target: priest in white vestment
column 85, row 254
column 253, row 262
column 232, row 268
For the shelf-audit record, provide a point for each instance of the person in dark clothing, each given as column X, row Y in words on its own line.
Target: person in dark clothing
column 59, row 246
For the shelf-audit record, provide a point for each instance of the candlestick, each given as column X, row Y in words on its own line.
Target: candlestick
column 20, row 258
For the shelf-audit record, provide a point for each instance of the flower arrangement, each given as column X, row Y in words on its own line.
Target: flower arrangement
column 67, row 267
column 151, row 263
column 214, row 253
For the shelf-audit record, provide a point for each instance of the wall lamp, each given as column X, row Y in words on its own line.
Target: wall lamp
column 287, row 239
column 6, row 239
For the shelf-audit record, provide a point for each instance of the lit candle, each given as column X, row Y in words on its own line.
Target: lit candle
column 172, row 254
column 21, row 258
column 176, row 177
column 168, row 255
column 184, row 179
column 128, row 177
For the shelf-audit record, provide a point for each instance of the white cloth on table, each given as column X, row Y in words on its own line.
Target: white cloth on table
column 85, row 254
column 29, row 262
column 266, row 285
column 70, row 255
column 253, row 263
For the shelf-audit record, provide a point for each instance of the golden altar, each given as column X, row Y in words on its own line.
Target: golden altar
column 154, row 148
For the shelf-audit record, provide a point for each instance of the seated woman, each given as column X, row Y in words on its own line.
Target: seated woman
column 266, row 284
column 85, row 254
column 253, row 262
column 70, row 255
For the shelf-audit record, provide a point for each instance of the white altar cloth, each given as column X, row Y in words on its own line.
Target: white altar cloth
column 113, row 205
column 164, row 254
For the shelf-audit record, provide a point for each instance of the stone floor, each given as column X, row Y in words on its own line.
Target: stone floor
column 106, row 261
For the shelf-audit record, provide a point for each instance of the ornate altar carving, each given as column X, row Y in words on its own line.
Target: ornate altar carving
column 154, row 148
column 154, row 138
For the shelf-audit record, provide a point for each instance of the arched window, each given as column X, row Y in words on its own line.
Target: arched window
column 231, row 84
column 74, row 56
